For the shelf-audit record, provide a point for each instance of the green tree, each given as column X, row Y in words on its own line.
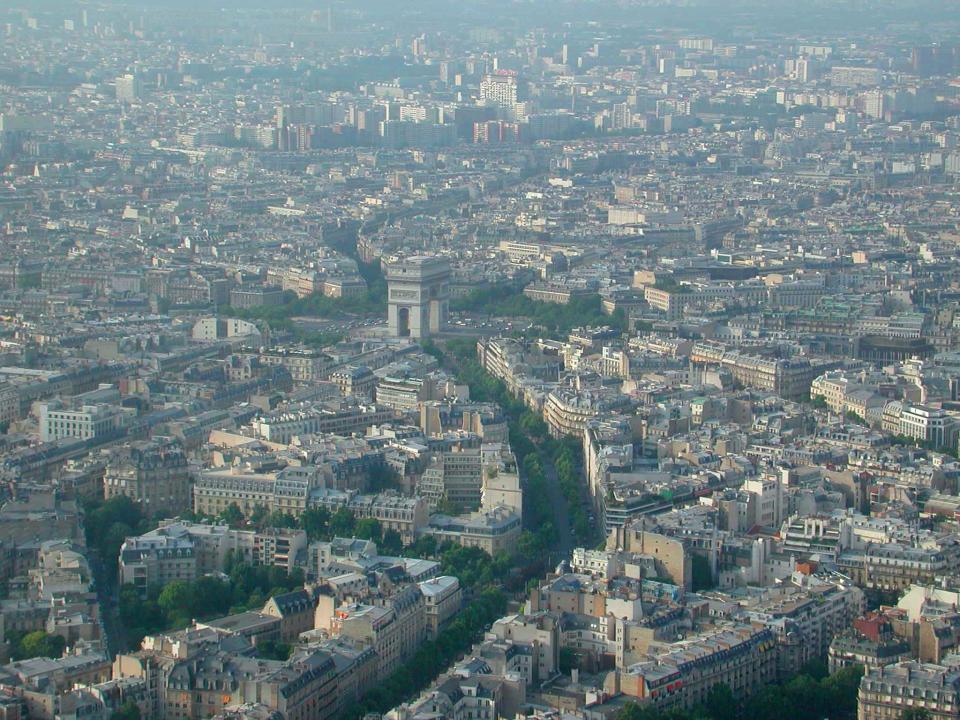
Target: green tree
column 369, row 529
column 424, row 547
column 128, row 711
column 277, row 577
column 383, row 477
column 130, row 603
column 316, row 523
column 26, row 282
column 107, row 524
column 852, row 417
column 769, row 704
column 211, row 597
column 816, row 668
column 568, row 660
column 278, row 519
column 259, row 514
column 40, row 644
column 113, row 540
column 528, row 545
column 232, row 515
column 392, row 543
column 533, row 425
column 701, row 577
column 470, row 564
column 140, row 616
column 841, row 690
column 342, row 523
column 915, row 713
column 532, row 466
column 634, row 711
column 273, row 650
column 177, row 601
column 721, row 704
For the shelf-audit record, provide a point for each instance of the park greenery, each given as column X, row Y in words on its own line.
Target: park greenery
column 508, row 300
column 280, row 317
column 532, row 446
column 107, row 523
column 434, row 656
column 244, row 587
column 128, row 711
column 26, row 645
column 812, row 694
column 819, row 402
column 567, row 461
column 701, row 575
column 274, row 650
column 175, row 605
column 319, row 523
column 486, row 580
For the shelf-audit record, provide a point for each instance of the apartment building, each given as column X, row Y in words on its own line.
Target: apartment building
column 284, row 490
column 672, row 557
column 318, row 419
column 356, row 671
column 9, row 403
column 492, row 531
column 156, row 559
column 929, row 425
column 567, row 411
column 894, row 566
column 814, row 610
column 569, row 408
column 742, row 657
column 354, row 381
column 89, row 421
column 244, row 298
column 403, row 392
column 395, row 629
column 888, row 692
column 671, row 302
column 788, row 378
column 39, row 683
column 557, row 293
column 595, row 563
column 538, row 634
column 464, row 695
column 304, row 365
column 442, row 597
column 154, row 474
column 198, row 672
column 871, row 643
column 805, row 536
column 405, row 515
column 454, row 476
column 181, row 550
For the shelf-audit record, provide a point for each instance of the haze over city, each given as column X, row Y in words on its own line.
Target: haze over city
column 500, row 360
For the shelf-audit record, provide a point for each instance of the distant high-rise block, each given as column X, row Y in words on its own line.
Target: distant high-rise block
column 500, row 88
column 128, row 88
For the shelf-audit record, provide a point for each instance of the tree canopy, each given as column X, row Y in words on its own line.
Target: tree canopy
column 128, row 711
column 37, row 644
column 810, row 695
column 179, row 602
